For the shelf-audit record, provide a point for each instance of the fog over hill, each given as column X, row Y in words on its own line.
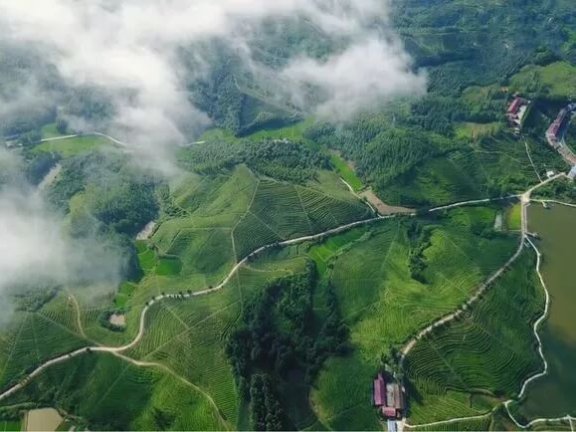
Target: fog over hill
column 127, row 68
column 140, row 55
column 35, row 250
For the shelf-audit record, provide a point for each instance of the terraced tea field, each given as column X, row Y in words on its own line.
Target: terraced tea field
column 487, row 353
column 113, row 394
column 384, row 306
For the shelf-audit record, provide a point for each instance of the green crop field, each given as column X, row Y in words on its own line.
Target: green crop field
column 557, row 79
column 34, row 337
column 474, row 131
column 384, row 306
column 514, row 217
column 50, row 131
column 346, row 172
column 124, row 294
column 468, row 173
column 72, row 146
column 227, row 218
column 113, row 394
column 294, row 132
column 489, row 351
column 187, row 336
column 295, row 336
column 10, row 425
column 168, row 266
column 477, row 424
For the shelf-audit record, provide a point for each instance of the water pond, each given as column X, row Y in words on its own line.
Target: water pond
column 553, row 395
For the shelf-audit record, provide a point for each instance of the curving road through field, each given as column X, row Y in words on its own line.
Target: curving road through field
column 149, row 304
column 525, row 201
column 142, row 325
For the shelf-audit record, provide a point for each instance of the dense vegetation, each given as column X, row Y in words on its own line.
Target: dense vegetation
column 484, row 355
column 280, row 335
column 288, row 344
column 280, row 159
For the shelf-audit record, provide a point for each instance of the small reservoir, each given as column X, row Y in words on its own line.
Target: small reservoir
column 553, row 395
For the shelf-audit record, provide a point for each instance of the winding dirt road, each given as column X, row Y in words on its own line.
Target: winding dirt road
column 525, row 201
column 524, row 240
column 142, row 326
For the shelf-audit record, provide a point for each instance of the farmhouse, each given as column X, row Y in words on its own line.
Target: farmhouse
column 379, row 396
column 557, row 128
column 388, row 397
column 517, row 112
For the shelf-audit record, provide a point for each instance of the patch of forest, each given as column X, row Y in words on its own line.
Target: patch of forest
column 283, row 333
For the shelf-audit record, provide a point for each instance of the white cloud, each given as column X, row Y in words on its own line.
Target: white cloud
column 35, row 249
column 31, row 244
column 129, row 48
column 360, row 78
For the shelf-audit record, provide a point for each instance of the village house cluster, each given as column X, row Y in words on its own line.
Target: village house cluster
column 555, row 136
column 517, row 111
column 516, row 114
column 388, row 397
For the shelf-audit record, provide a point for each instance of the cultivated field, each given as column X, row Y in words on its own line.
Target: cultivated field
column 384, row 306
column 466, row 367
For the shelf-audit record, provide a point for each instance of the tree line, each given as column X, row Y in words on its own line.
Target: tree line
column 282, row 331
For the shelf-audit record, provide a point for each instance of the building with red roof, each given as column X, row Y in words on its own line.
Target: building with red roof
column 514, row 107
column 388, row 412
column 517, row 111
column 379, row 396
column 388, row 397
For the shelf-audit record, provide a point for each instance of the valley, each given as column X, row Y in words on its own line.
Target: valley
column 320, row 216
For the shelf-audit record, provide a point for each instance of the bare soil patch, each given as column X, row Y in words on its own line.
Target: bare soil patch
column 118, row 320
column 43, row 419
column 382, row 207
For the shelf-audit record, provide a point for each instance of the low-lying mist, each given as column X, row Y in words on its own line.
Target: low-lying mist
column 135, row 68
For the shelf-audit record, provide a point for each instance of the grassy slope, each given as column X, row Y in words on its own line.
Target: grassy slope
column 468, row 173
column 189, row 337
column 346, row 172
column 378, row 298
column 71, row 146
column 10, row 425
column 186, row 336
column 113, row 394
column 202, row 242
column 489, row 351
column 383, row 306
column 31, row 338
column 223, row 219
column 558, row 80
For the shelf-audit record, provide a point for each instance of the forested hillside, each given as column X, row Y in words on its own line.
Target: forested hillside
column 256, row 263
